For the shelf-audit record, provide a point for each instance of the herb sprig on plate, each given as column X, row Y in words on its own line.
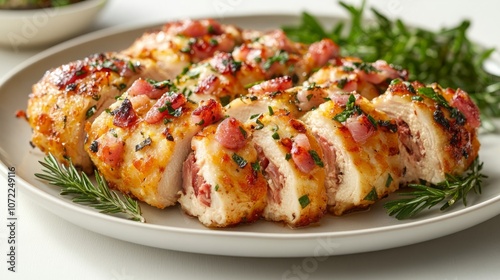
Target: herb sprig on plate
column 446, row 56
column 83, row 191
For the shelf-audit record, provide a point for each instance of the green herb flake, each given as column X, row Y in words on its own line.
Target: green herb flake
column 304, row 201
column 288, row 156
column 243, row 132
column 316, row 158
column 241, row 162
column 224, row 100
column 372, row 120
column 144, row 143
column 84, row 191
column 255, row 116
column 372, row 195
column 256, row 166
column 260, row 125
column 90, row 112
column 271, row 111
column 275, row 136
column 342, row 82
column 281, row 57
column 389, row 180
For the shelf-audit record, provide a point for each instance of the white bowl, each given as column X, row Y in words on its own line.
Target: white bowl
column 44, row 27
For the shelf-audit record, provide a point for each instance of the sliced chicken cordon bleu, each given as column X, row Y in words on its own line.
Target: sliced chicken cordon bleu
column 141, row 141
column 75, row 93
column 292, row 162
column 223, row 182
column 437, row 128
column 178, row 44
column 361, row 152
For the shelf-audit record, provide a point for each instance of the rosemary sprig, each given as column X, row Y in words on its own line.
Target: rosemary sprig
column 453, row 189
column 83, row 191
column 446, row 56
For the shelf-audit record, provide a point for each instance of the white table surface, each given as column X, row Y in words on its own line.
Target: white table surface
column 52, row 248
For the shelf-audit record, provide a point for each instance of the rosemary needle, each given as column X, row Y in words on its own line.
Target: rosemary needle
column 83, row 191
column 423, row 196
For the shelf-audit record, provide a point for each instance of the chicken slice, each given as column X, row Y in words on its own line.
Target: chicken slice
column 75, row 93
column 348, row 75
column 291, row 159
column 222, row 180
column 179, row 43
column 226, row 76
column 141, row 141
column 437, row 128
column 361, row 152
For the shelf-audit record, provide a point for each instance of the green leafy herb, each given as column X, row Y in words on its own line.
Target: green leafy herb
column 389, row 180
column 90, row 112
column 281, row 57
column 271, row 111
column 260, row 125
column 316, row 158
column 241, row 162
column 453, row 189
column 350, row 109
column 243, row 132
column 256, row 166
column 304, row 201
column 372, row 195
column 144, row 143
column 224, row 100
column 83, row 191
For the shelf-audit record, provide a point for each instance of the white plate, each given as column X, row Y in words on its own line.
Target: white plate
column 171, row 229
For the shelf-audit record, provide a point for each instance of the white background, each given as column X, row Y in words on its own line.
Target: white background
column 52, row 248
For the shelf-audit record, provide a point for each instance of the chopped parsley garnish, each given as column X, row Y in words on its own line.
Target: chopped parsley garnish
column 281, row 57
column 440, row 100
column 256, row 166
column 304, row 201
column 271, row 111
column 350, row 109
column 224, row 100
column 260, row 125
column 389, row 180
column 243, row 132
column 275, row 135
